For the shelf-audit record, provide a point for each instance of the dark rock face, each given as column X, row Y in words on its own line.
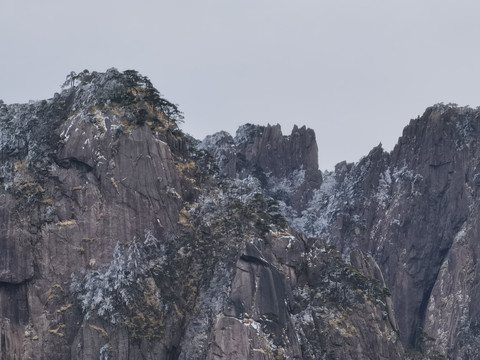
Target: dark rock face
column 267, row 148
column 120, row 239
column 16, row 258
column 77, row 179
column 414, row 210
column 285, row 166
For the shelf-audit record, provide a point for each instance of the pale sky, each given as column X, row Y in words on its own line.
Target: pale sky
column 354, row 71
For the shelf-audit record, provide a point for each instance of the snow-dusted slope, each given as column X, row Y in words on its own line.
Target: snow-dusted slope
column 414, row 210
column 119, row 239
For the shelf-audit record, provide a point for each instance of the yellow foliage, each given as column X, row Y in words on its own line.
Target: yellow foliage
column 128, row 127
column 19, row 165
column 183, row 218
column 181, row 167
column 150, row 108
column 75, row 113
column 261, row 351
column 67, row 222
column 48, row 201
column 30, row 188
column 136, row 90
column 77, row 188
column 57, row 330
column 116, row 112
column 58, row 286
column 64, row 308
column 343, row 326
column 177, row 310
column 114, row 183
column 99, row 329
column 281, row 233
column 100, row 122
column 51, row 292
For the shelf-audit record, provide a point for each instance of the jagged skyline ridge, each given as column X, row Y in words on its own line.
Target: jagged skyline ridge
column 355, row 73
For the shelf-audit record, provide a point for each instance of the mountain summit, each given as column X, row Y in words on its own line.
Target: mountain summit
column 123, row 238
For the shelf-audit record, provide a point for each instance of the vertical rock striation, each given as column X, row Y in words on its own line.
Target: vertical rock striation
column 414, row 210
column 122, row 238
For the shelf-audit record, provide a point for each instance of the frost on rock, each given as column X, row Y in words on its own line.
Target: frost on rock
column 219, row 140
column 246, row 133
column 384, row 188
column 221, row 146
column 108, row 294
column 328, row 200
column 407, row 180
column 465, row 127
column 283, row 188
column 316, row 218
column 105, row 352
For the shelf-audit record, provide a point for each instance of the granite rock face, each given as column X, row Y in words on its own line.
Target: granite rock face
column 286, row 167
column 78, row 177
column 415, row 211
column 123, row 238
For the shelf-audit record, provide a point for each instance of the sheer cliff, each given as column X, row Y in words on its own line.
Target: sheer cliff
column 415, row 211
column 122, row 239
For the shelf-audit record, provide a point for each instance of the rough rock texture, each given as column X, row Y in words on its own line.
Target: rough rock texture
column 406, row 209
column 285, row 166
column 415, row 211
column 120, row 240
column 77, row 179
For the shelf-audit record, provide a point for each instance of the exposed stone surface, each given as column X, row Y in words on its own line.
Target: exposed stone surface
column 121, row 240
column 285, row 166
column 414, row 212
column 406, row 208
column 117, row 243
column 78, row 177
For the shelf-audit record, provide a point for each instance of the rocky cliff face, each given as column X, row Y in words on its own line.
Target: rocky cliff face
column 122, row 238
column 286, row 167
column 415, row 211
column 420, row 206
column 80, row 176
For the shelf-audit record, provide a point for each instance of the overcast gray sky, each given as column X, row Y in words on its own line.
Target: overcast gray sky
column 354, row 71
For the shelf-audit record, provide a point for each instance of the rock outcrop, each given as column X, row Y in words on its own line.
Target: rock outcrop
column 79, row 175
column 285, row 166
column 415, row 211
column 409, row 209
column 123, row 238
column 120, row 240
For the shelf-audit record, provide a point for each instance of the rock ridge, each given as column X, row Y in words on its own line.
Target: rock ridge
column 123, row 238
column 414, row 211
